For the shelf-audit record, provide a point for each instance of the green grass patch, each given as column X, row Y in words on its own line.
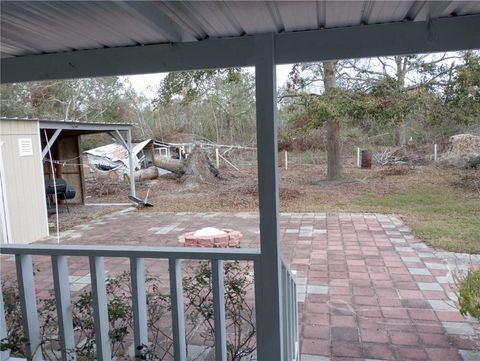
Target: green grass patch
column 440, row 217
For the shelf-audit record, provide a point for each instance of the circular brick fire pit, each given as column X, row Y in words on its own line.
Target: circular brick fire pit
column 211, row 237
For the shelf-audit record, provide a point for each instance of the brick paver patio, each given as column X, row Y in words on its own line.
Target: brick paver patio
column 367, row 288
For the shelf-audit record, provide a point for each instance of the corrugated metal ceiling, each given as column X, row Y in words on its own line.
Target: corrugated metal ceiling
column 33, row 27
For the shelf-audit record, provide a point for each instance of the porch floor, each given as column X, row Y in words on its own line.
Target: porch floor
column 367, row 288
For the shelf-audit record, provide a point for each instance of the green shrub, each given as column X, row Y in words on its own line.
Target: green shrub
column 469, row 293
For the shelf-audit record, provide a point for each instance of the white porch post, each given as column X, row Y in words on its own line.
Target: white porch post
column 268, row 313
column 130, row 163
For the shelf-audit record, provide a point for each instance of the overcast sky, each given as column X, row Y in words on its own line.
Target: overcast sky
column 147, row 83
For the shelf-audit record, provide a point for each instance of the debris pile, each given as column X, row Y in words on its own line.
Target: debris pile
column 463, row 151
column 406, row 155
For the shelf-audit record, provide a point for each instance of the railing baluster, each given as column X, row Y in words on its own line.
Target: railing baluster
column 139, row 304
column 295, row 319
column 64, row 313
column 4, row 355
column 219, row 310
column 287, row 318
column 285, row 312
column 178, row 313
column 28, row 302
column 291, row 331
column 100, row 309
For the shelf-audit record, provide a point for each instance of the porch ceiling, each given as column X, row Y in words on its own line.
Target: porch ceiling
column 48, row 27
column 127, row 36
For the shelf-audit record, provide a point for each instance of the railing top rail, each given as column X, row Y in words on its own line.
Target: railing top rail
column 230, row 254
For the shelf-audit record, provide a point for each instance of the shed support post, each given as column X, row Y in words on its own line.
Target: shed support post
column 130, row 163
column 269, row 311
column 50, row 142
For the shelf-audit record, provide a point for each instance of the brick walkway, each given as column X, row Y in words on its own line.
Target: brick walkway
column 368, row 290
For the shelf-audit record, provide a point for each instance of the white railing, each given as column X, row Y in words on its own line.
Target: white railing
column 59, row 254
column 290, row 315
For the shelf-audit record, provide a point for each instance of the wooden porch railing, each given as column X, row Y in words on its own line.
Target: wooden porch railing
column 59, row 254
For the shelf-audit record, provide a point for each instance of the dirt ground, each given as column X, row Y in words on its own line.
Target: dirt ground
column 302, row 188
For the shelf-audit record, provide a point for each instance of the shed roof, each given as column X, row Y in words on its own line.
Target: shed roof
column 71, row 127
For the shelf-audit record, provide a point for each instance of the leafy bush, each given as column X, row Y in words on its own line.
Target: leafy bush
column 239, row 314
column 469, row 293
column 198, row 309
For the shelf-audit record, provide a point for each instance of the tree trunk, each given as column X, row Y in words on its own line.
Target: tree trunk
column 173, row 165
column 334, row 145
column 402, row 69
column 401, row 134
column 334, row 151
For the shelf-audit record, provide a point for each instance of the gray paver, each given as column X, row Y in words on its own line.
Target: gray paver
column 317, row 290
column 165, row 229
column 404, row 249
column 470, row 355
column 301, row 281
column 439, row 305
column 436, row 265
column 314, row 358
column 75, row 287
column 419, row 271
column 411, row 259
column 458, row 328
column 445, row 279
column 429, row 286
column 426, row 255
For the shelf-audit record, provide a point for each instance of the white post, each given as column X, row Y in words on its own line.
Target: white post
column 178, row 311
column 28, row 305
column 435, row 152
column 268, row 295
column 286, row 160
column 139, row 306
column 219, row 310
column 217, row 158
column 130, row 163
column 358, row 157
column 64, row 308
column 100, row 308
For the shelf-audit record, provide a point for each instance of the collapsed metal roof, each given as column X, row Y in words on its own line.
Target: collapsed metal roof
column 115, row 155
column 40, row 27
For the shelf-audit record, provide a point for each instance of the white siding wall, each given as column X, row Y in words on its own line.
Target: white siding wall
column 23, row 182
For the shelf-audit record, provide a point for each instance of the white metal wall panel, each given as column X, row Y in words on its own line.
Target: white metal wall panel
column 23, row 182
